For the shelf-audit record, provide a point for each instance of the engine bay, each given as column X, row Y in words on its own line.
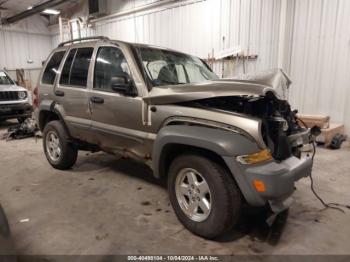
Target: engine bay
column 279, row 122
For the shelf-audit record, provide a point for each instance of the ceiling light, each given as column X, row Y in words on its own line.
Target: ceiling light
column 51, row 12
column 30, row 7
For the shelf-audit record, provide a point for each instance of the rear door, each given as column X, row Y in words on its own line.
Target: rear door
column 72, row 91
column 49, row 75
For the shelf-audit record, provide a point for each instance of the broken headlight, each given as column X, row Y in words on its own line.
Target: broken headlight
column 262, row 156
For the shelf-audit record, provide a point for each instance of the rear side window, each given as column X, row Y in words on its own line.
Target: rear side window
column 67, row 68
column 80, row 68
column 76, row 68
column 52, row 68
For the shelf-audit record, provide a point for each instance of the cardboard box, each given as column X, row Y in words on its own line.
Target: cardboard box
column 315, row 120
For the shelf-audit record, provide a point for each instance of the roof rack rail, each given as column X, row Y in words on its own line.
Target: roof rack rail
column 84, row 39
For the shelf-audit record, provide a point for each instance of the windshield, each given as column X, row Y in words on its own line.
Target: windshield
column 165, row 67
column 4, row 79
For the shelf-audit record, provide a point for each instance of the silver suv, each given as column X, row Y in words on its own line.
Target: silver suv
column 220, row 143
column 15, row 101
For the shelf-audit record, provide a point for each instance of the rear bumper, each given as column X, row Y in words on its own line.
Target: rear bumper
column 278, row 178
column 8, row 111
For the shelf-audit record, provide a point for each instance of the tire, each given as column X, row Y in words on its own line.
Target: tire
column 66, row 156
column 224, row 196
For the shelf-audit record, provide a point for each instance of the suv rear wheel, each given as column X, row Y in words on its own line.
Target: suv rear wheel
column 204, row 195
column 60, row 153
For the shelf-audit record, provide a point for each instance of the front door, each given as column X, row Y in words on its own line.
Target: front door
column 116, row 116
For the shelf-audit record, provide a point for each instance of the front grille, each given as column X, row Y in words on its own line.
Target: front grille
column 9, row 96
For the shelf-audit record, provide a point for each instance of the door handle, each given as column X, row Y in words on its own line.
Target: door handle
column 59, row 93
column 97, row 100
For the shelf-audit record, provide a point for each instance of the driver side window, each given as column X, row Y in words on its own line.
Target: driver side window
column 110, row 62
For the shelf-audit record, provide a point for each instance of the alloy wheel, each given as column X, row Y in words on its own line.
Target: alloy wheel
column 193, row 194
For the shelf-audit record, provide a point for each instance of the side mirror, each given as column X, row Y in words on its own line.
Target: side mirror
column 122, row 84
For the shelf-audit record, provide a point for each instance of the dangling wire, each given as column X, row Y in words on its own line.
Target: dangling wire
column 326, row 205
column 335, row 206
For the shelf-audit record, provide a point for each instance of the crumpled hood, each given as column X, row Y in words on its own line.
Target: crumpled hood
column 11, row 88
column 259, row 84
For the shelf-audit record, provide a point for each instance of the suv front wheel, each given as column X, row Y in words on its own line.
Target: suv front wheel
column 60, row 153
column 204, row 195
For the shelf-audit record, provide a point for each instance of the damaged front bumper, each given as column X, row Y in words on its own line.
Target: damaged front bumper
column 276, row 180
column 279, row 178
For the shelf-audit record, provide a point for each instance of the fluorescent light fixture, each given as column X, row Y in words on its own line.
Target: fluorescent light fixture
column 51, row 12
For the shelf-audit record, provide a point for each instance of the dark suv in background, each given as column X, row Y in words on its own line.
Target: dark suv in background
column 220, row 143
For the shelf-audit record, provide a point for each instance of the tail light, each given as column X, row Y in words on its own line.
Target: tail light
column 36, row 97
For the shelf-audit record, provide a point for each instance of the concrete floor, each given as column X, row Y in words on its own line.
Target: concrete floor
column 106, row 205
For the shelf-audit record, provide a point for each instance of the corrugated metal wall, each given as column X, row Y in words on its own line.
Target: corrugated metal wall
column 29, row 40
column 320, row 58
column 117, row 6
column 197, row 27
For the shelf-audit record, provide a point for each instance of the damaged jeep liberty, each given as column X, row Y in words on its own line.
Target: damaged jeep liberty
column 220, row 144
